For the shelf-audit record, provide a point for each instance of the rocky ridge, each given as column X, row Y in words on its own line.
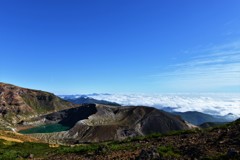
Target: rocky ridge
column 90, row 123
column 216, row 143
column 17, row 104
column 25, row 108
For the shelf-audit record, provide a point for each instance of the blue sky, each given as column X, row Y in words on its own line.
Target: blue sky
column 121, row 46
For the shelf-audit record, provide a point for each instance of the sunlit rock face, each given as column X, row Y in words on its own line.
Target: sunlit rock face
column 95, row 123
column 17, row 104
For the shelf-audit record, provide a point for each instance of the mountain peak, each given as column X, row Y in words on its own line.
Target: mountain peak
column 17, row 103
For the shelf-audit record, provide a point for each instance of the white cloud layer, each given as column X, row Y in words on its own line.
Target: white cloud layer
column 215, row 104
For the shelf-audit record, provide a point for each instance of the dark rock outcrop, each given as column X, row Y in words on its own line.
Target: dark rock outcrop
column 149, row 154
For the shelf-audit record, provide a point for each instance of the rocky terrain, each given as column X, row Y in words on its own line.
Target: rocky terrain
column 214, row 143
column 23, row 108
column 217, row 143
column 96, row 123
column 17, row 104
column 97, row 131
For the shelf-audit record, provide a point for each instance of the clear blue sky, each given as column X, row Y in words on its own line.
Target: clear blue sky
column 121, row 46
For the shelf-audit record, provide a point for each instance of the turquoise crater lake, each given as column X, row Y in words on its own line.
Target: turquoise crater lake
column 49, row 128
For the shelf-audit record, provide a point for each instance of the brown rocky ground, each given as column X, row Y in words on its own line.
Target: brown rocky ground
column 218, row 143
column 22, row 108
column 90, row 123
column 17, row 104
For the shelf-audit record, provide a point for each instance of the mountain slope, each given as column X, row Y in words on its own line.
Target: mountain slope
column 91, row 122
column 217, row 143
column 198, row 118
column 25, row 108
column 125, row 122
column 18, row 103
column 220, row 143
column 16, row 137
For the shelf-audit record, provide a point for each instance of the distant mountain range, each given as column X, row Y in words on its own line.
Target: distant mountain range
column 87, row 100
column 217, row 104
column 198, row 118
column 193, row 117
column 75, row 96
column 106, row 131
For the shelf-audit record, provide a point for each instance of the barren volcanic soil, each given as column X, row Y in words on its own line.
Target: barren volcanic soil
column 218, row 143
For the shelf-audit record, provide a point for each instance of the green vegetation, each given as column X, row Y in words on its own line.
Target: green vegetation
column 181, row 132
column 158, row 135
column 223, row 126
column 117, row 146
column 223, row 156
column 13, row 150
column 43, row 102
column 141, row 138
column 168, row 152
column 79, row 149
column 99, row 148
column 40, row 104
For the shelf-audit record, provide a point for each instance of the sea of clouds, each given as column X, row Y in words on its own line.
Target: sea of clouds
column 215, row 104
